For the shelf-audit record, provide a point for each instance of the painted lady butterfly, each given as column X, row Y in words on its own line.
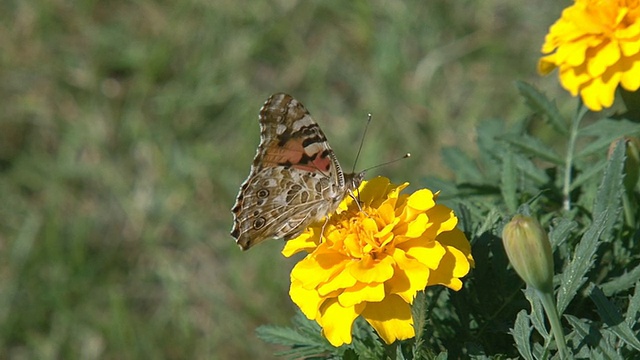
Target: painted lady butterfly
column 295, row 178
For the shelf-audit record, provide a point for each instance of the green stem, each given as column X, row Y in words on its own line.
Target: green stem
column 554, row 319
column 568, row 163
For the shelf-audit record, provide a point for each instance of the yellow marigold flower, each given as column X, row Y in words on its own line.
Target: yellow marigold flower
column 374, row 258
column 596, row 45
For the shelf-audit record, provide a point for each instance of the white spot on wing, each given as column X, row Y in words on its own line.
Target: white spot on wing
column 305, row 121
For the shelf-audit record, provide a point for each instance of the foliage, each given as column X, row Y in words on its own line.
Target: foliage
column 595, row 246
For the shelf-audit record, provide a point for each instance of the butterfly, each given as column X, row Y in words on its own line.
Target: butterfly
column 295, row 179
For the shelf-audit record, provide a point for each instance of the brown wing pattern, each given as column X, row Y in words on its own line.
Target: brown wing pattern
column 295, row 178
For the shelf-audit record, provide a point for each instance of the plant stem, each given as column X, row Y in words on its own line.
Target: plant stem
column 554, row 319
column 568, row 163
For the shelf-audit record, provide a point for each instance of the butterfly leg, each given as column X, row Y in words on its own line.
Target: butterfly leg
column 357, row 201
column 326, row 221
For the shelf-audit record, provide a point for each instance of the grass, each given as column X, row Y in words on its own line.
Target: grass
column 127, row 127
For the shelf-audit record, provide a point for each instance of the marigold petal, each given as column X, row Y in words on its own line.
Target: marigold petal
column 307, row 300
column 631, row 77
column 572, row 53
column 314, row 270
column 391, row 318
column 421, row 200
column 368, row 270
column 547, row 64
column 429, row 253
column 387, row 213
column 573, row 78
column 374, row 189
column 352, row 245
column 417, row 227
column 410, row 277
column 342, row 280
column 630, row 48
column 307, row 241
column 456, row 239
column 361, row 293
column 442, row 219
column 453, row 262
column 600, row 92
column 336, row 321
column 603, row 57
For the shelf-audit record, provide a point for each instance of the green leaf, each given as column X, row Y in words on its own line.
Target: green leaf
column 304, row 340
column 419, row 312
column 588, row 173
column 399, row 353
column 521, row 333
column 560, row 231
column 537, row 312
column 587, row 332
column 530, row 170
column 442, row 356
column 622, row 282
column 612, row 317
column 610, row 191
column 606, row 131
column 634, row 307
column 605, row 212
column 534, row 147
column 508, row 182
column 465, row 169
column 538, row 102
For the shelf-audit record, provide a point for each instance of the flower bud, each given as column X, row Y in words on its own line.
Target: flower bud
column 529, row 252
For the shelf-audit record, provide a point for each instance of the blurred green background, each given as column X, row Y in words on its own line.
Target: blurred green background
column 126, row 128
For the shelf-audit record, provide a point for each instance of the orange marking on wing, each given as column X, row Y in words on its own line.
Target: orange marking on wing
column 293, row 153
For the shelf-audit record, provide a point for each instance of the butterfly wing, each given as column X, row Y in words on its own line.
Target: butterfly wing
column 295, row 178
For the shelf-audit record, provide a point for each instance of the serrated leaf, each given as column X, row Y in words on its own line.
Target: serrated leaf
column 539, row 352
column 521, row 333
column 606, row 131
column 612, row 317
column 589, row 333
column 300, row 345
column 530, row 170
column 622, row 282
column 537, row 312
column 560, row 231
column 539, row 102
column 508, row 182
column 634, row 307
column 591, row 171
column 399, row 354
column 605, row 212
column 610, row 191
column 533, row 147
column 574, row 275
column 281, row 335
column 489, row 148
column 442, row 356
column 465, row 169
column 419, row 312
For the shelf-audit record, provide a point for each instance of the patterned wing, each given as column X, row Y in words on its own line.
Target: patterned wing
column 295, row 178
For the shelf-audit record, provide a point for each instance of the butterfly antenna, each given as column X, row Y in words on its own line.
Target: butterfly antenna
column 364, row 133
column 407, row 155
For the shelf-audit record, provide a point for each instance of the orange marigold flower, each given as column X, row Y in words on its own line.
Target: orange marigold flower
column 596, row 46
column 374, row 257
